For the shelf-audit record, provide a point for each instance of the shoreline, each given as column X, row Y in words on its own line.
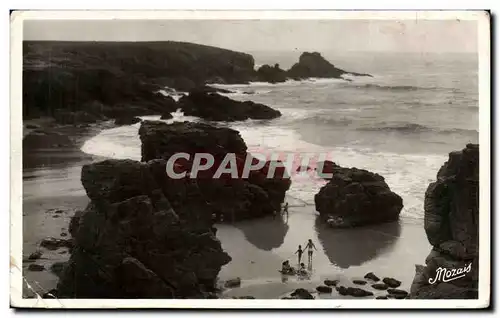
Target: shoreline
column 52, row 193
column 257, row 246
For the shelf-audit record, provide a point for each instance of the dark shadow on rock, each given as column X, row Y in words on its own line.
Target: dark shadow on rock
column 266, row 233
column 355, row 246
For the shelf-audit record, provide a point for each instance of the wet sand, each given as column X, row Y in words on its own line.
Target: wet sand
column 52, row 192
column 259, row 247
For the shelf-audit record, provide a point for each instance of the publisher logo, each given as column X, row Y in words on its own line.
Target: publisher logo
column 447, row 275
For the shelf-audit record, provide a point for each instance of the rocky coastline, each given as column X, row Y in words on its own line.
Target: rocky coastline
column 94, row 81
column 145, row 235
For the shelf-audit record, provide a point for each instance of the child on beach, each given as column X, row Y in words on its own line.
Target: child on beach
column 300, row 252
column 302, row 269
column 310, row 246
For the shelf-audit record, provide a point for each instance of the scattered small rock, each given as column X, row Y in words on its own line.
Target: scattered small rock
column 35, row 255
column 358, row 292
column 55, row 216
column 380, row 286
column 57, row 268
column 63, row 234
column 396, row 296
column 359, row 282
column 342, row 290
column 234, row 282
column 394, row 291
column 286, row 297
column 63, row 252
column 330, row 282
column 301, row 293
column 58, row 211
column 381, row 297
column 245, row 297
column 324, row 289
column 36, row 268
column 55, row 243
column 394, row 283
column 372, row 276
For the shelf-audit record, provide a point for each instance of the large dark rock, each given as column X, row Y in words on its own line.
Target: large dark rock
column 452, row 225
column 356, row 197
column 212, row 106
column 130, row 243
column 391, row 282
column 271, row 74
column 314, row 65
column 234, row 197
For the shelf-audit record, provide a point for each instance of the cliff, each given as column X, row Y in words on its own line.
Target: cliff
column 452, row 227
column 105, row 78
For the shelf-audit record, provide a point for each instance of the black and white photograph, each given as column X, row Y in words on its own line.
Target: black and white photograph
column 250, row 159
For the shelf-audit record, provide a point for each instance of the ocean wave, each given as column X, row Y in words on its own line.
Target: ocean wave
column 402, row 88
column 327, row 120
column 176, row 95
column 415, row 128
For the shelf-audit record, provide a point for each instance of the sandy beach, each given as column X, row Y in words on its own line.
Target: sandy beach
column 52, row 192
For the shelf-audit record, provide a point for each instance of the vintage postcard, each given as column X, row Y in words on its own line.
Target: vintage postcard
column 250, row 159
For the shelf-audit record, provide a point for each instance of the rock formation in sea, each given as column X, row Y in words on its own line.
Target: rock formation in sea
column 312, row 64
column 234, row 197
column 131, row 243
column 452, row 228
column 355, row 197
column 271, row 74
column 212, row 106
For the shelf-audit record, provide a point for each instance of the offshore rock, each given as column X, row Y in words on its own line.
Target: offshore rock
column 355, row 197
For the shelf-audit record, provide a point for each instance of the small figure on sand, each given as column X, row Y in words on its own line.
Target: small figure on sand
column 286, row 268
column 310, row 245
column 302, row 270
column 285, row 209
column 299, row 252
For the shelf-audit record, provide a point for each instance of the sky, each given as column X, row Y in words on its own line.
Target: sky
column 272, row 35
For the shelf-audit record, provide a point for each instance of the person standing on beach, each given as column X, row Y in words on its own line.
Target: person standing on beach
column 299, row 252
column 309, row 247
column 285, row 209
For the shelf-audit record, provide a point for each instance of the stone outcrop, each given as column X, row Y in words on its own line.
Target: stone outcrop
column 452, row 225
column 232, row 197
column 212, row 106
column 355, row 197
column 312, row 64
column 271, row 74
column 130, row 243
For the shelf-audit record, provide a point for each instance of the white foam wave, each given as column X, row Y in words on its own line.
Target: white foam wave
column 176, row 95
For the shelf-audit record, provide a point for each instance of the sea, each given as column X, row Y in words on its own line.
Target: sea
column 401, row 123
